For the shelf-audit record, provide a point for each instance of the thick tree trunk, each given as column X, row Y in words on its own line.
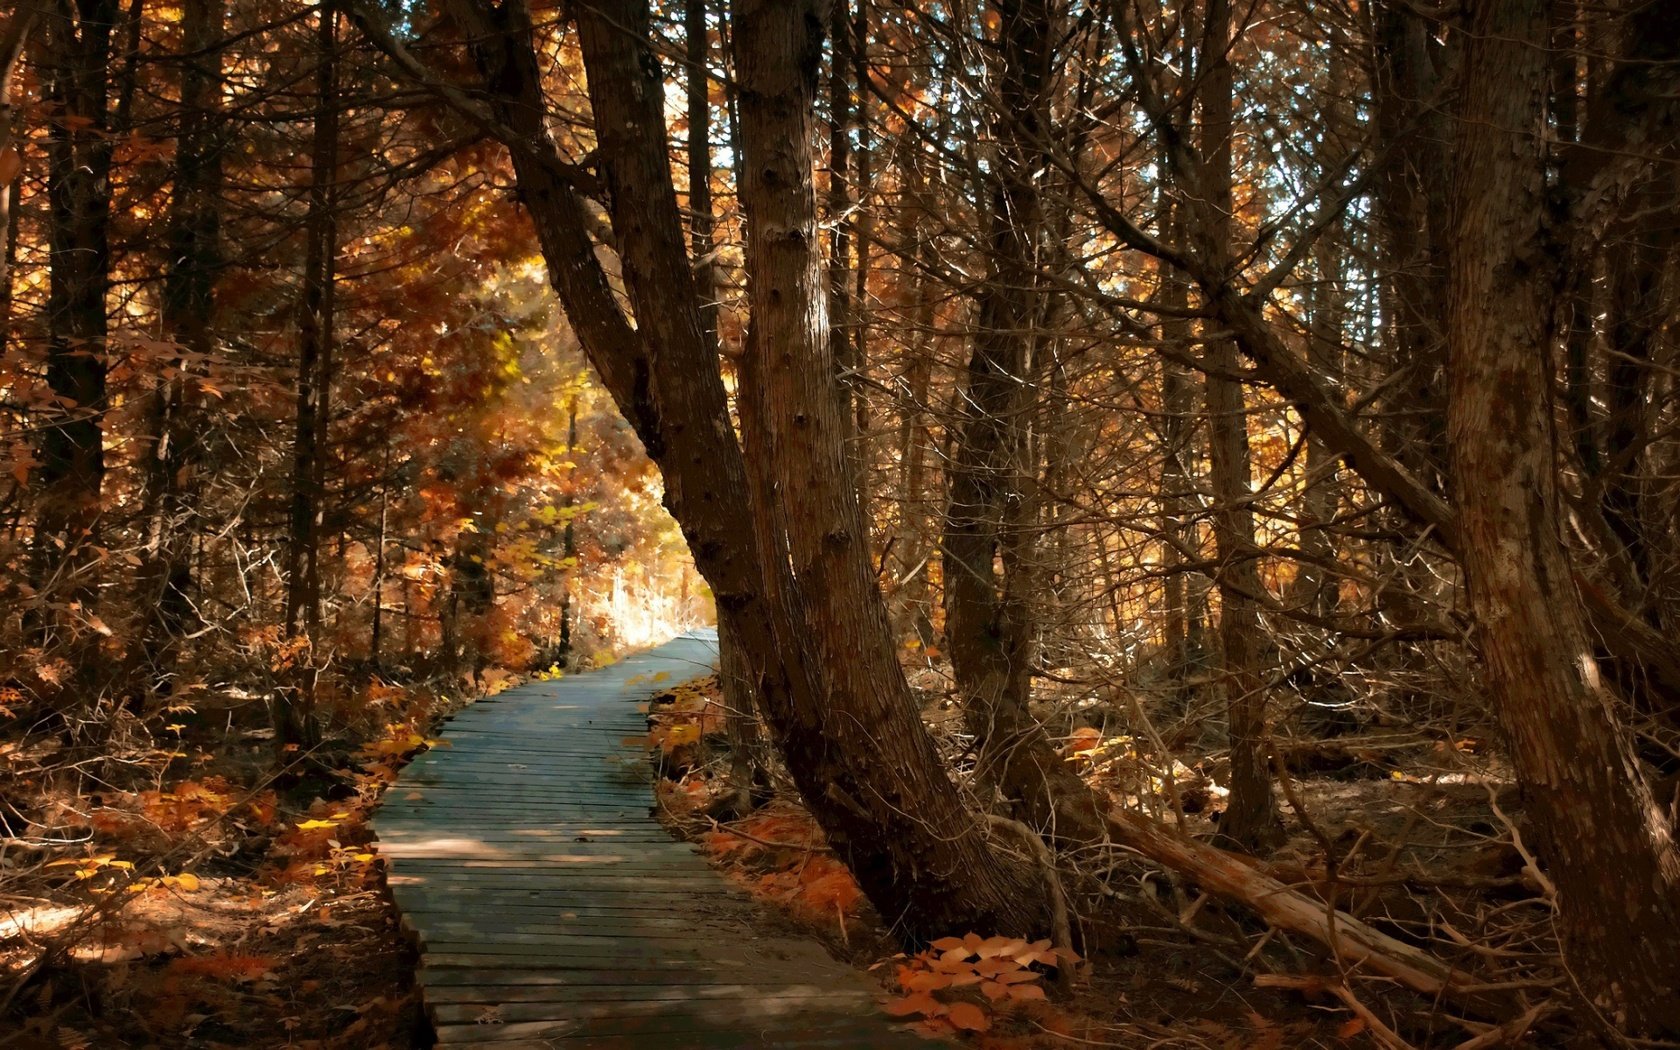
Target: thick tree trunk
column 1609, row 847
column 806, row 611
column 794, row 410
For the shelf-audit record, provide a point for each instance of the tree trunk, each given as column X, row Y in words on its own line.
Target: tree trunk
column 14, row 39
column 1411, row 214
column 294, row 715
column 75, row 71
column 987, row 632
column 1250, row 820
column 700, row 218
column 795, row 411
column 1637, row 316
column 188, row 306
column 808, row 615
column 1610, row 848
column 735, row 677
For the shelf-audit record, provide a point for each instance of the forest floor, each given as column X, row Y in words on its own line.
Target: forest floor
column 1428, row 855
column 185, row 894
column 186, row 897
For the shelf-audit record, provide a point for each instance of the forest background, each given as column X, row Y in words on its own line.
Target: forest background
column 1231, row 379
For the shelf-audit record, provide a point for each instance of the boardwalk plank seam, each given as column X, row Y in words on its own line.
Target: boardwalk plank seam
column 553, row 911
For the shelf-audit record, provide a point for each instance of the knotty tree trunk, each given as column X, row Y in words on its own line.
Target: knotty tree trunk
column 792, row 578
column 1609, row 846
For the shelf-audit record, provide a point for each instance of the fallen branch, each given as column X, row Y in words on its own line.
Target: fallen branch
column 1352, row 942
column 1511, row 1030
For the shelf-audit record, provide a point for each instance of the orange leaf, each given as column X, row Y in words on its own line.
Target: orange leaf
column 926, row 981
column 1350, row 1028
column 999, row 946
column 920, row 1003
column 968, row 1017
column 1083, row 740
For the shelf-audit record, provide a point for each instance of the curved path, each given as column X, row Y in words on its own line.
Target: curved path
column 554, row 912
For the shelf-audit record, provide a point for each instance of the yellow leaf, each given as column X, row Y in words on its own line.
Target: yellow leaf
column 187, row 881
column 316, row 825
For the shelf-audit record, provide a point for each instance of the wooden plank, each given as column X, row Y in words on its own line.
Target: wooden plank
column 635, row 1034
column 609, row 993
column 551, row 906
column 756, row 1009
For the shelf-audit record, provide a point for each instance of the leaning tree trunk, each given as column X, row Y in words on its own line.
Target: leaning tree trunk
column 808, row 615
column 816, row 562
column 1608, row 845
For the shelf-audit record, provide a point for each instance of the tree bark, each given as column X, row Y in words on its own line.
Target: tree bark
column 75, row 70
column 987, row 632
column 188, row 308
column 1609, row 846
column 1250, row 820
column 795, row 412
column 14, row 40
column 798, row 592
column 1411, row 213
column 294, row 714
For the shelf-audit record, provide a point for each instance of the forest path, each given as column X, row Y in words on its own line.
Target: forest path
column 554, row 912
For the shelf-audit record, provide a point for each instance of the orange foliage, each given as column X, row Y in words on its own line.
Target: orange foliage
column 999, row 968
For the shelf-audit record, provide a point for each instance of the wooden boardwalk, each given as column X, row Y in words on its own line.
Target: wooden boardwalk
column 554, row 912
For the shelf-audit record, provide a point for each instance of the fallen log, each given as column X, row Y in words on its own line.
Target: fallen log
column 1051, row 797
column 1352, row 943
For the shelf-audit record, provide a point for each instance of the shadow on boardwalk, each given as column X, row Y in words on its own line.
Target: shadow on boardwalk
column 553, row 911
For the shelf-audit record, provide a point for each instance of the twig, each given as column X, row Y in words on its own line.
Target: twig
column 1511, row 1030
column 1061, row 930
